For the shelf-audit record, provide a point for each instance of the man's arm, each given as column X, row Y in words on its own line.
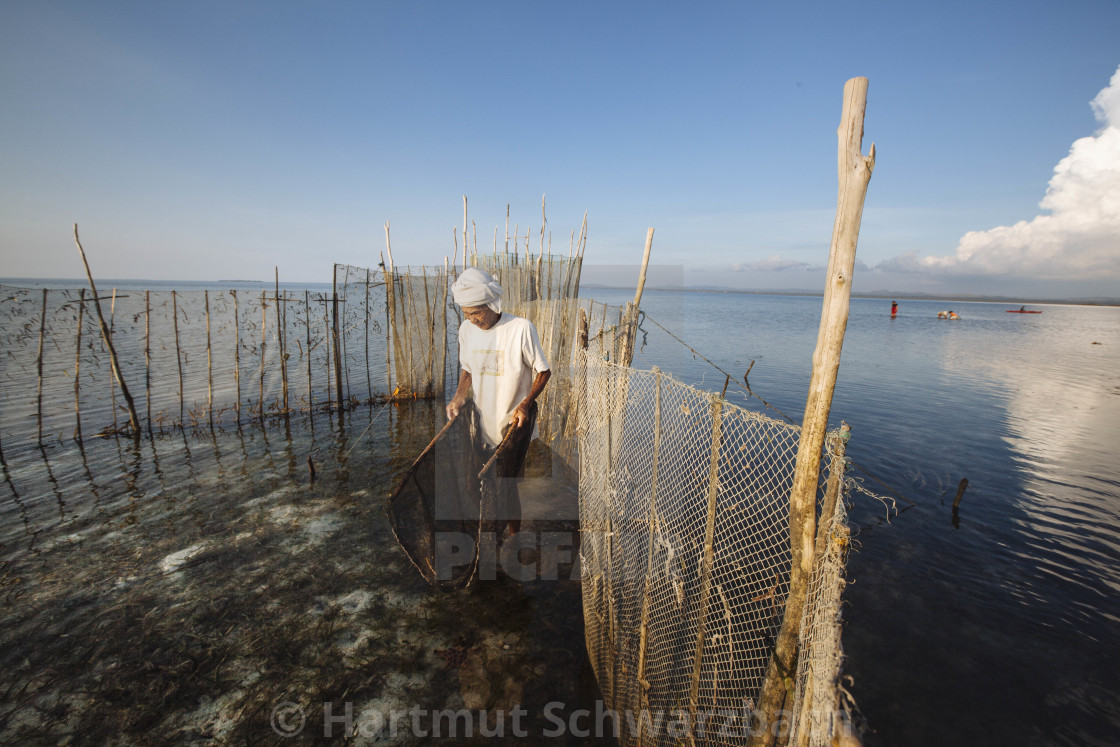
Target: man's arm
column 521, row 414
column 461, row 393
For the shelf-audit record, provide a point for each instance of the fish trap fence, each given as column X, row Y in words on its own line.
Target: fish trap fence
column 404, row 316
column 685, row 556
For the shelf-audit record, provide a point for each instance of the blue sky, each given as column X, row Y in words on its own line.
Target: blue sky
column 215, row 140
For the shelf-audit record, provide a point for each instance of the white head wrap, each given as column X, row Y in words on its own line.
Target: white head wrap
column 475, row 287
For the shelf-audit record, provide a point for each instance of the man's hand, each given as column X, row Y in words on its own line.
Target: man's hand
column 454, row 406
column 520, row 416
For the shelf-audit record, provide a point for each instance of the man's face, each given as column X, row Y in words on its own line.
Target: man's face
column 482, row 317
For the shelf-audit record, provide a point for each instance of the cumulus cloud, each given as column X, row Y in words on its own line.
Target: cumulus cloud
column 1079, row 238
column 770, row 264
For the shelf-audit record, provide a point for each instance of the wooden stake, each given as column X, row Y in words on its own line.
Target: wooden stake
column 178, row 356
column 854, row 174
column 388, row 329
column 78, row 368
column 236, row 356
column 307, row 324
column 112, row 331
column 443, row 358
column 643, row 634
column 337, row 342
column 281, row 315
column 707, row 560
column 39, row 365
column 430, row 324
column 645, row 264
column 264, row 347
column 133, row 420
column 209, row 364
column 148, row 357
column 961, row 487
column 369, row 380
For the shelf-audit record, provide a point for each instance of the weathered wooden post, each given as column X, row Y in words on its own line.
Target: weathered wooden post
column 39, row 364
column 337, row 340
column 78, row 369
column 133, row 420
column 632, row 310
column 854, row 171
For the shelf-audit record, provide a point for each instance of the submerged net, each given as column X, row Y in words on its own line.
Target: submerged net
column 684, row 509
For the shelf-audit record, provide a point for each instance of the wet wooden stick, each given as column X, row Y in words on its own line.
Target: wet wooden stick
column 148, row 357
column 337, row 339
column 307, row 352
column 264, row 345
column 134, row 421
column 178, row 355
column 369, row 380
column 281, row 317
column 236, row 356
column 39, row 365
column 112, row 330
column 78, row 368
column 961, row 487
column 209, row 364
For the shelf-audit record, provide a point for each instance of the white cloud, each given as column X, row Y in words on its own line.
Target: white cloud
column 772, row 263
column 1078, row 239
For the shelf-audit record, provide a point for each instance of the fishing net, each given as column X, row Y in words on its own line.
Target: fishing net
column 684, row 509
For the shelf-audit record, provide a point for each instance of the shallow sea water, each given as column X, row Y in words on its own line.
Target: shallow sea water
column 1000, row 628
column 199, row 588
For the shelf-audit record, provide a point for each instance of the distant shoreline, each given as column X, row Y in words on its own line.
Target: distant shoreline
column 964, row 297
column 133, row 284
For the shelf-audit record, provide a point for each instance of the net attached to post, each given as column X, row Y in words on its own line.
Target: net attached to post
column 684, row 509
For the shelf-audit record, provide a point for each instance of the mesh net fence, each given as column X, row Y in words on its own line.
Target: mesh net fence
column 684, row 509
column 188, row 359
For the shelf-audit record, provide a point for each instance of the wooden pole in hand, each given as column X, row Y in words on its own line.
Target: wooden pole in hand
column 854, row 171
column 133, row 420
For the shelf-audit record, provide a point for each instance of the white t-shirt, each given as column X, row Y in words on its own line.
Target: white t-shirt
column 502, row 362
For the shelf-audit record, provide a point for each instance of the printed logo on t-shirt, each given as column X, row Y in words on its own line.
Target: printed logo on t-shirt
column 492, row 362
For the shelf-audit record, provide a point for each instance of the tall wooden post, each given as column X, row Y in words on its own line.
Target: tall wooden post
column 133, row 420
column 337, row 339
column 854, row 174
column 39, row 396
column 78, row 368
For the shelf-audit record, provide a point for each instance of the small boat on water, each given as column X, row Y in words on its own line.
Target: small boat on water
column 1021, row 311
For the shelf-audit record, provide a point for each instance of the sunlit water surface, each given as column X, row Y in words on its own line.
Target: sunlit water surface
column 1002, row 628
column 179, row 589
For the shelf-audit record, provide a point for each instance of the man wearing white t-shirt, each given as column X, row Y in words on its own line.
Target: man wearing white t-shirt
column 504, row 368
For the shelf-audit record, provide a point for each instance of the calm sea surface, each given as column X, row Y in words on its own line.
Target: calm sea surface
column 181, row 588
column 1003, row 628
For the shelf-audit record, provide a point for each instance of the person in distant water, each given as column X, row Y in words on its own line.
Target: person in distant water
column 1022, row 308
column 504, row 369
column 943, row 315
column 953, row 314
column 894, row 309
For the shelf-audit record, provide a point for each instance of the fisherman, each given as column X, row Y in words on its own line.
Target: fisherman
column 504, row 370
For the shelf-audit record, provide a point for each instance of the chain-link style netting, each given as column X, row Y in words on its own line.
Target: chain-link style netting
column 684, row 508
